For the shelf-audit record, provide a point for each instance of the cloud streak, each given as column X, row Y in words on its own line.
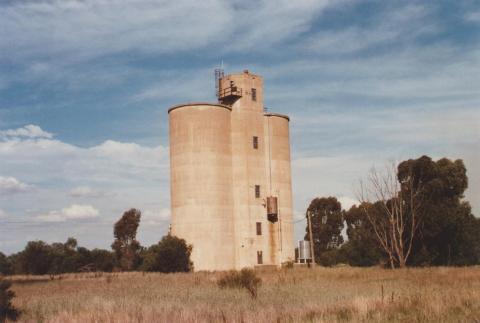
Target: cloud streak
column 87, row 192
column 73, row 212
column 110, row 160
column 29, row 131
column 11, row 185
column 402, row 24
column 107, row 179
column 84, row 29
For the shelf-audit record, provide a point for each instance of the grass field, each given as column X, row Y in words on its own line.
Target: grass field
column 288, row 295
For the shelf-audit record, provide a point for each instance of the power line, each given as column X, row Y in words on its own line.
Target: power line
column 296, row 221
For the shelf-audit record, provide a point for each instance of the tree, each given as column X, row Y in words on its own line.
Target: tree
column 419, row 215
column 171, row 254
column 362, row 248
column 67, row 257
column 327, row 224
column 449, row 234
column 7, row 310
column 35, row 259
column 395, row 211
column 39, row 258
column 103, row 260
column 64, row 257
column 5, row 266
column 125, row 245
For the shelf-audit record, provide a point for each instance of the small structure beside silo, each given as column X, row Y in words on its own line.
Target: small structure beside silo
column 304, row 252
column 231, row 195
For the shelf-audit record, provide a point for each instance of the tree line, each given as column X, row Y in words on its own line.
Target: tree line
column 414, row 214
column 170, row 254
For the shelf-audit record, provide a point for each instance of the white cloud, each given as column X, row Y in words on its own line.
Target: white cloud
column 172, row 87
column 156, row 217
column 3, row 214
column 398, row 24
column 108, row 162
column 86, row 191
column 80, row 211
column 258, row 25
column 473, row 16
column 85, row 29
column 128, row 153
column 425, row 124
column 440, row 74
column 52, row 39
column 112, row 177
column 324, row 175
column 347, row 202
column 73, row 212
column 29, row 131
column 10, row 185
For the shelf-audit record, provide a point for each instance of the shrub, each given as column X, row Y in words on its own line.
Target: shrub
column 7, row 310
column 5, row 266
column 246, row 278
column 331, row 257
column 170, row 255
column 288, row 265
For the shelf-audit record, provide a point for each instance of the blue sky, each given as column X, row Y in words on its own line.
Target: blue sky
column 85, row 87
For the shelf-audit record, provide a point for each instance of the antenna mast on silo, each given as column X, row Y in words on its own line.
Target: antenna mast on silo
column 219, row 73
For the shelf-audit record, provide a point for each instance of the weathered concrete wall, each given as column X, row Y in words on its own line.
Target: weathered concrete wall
column 214, row 171
column 248, row 166
column 281, row 183
column 201, row 183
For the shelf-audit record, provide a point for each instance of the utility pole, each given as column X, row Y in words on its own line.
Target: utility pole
column 309, row 215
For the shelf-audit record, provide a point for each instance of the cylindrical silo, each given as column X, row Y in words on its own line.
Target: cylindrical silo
column 201, row 182
column 280, row 182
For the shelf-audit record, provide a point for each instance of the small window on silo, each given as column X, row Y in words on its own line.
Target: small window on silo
column 254, row 94
column 259, row 257
column 255, row 142
column 259, row 228
column 257, row 191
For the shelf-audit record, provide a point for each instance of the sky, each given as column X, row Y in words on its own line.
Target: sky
column 85, row 87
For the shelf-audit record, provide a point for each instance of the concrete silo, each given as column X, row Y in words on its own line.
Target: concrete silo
column 280, row 182
column 231, row 179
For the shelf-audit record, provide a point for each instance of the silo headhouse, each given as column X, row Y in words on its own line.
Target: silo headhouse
column 231, row 192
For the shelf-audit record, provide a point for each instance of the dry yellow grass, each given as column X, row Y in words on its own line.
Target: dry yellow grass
column 290, row 295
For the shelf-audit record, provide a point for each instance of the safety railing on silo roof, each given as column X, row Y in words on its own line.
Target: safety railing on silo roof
column 230, row 91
